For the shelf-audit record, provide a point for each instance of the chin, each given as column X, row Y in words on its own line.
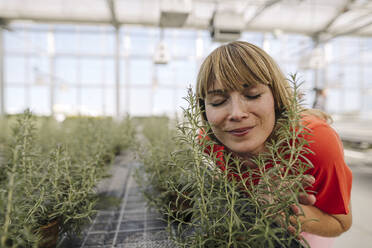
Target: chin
column 246, row 148
column 242, row 150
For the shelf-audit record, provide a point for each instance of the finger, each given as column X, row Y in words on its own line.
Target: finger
column 306, row 199
column 295, row 209
column 294, row 229
column 299, row 237
column 308, row 180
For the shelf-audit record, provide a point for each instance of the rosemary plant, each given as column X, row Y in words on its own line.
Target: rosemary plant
column 232, row 205
column 20, row 185
column 154, row 173
column 52, row 173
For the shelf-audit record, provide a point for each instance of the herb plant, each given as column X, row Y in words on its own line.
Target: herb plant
column 227, row 203
column 51, row 173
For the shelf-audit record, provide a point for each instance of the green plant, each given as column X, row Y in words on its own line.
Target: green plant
column 52, row 172
column 18, row 196
column 4, row 139
column 228, row 207
column 122, row 135
column 155, row 153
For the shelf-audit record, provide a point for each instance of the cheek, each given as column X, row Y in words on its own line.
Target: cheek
column 265, row 111
column 215, row 117
column 270, row 114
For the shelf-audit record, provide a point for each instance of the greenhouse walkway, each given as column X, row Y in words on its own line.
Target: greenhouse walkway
column 128, row 224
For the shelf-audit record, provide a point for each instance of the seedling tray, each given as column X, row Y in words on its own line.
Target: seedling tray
column 130, row 224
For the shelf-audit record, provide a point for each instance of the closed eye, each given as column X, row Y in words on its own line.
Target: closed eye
column 218, row 103
column 252, row 97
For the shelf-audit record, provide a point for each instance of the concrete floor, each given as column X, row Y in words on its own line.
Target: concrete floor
column 360, row 234
column 359, row 132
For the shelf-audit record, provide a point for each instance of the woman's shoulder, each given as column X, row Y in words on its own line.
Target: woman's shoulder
column 322, row 139
column 318, row 129
column 332, row 176
column 312, row 121
column 316, row 116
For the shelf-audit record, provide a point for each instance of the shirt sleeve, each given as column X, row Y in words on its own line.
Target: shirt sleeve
column 333, row 178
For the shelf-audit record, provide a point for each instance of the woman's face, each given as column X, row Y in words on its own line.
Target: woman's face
column 242, row 121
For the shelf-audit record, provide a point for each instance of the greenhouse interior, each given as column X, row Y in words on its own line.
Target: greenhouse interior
column 112, row 133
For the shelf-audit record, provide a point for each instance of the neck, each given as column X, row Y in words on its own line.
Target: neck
column 246, row 159
column 249, row 164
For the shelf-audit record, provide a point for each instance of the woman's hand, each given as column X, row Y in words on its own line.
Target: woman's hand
column 305, row 199
column 315, row 221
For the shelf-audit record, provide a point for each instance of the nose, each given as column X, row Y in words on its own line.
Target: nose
column 238, row 110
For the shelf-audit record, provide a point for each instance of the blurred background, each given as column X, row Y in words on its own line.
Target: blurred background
column 113, row 57
column 137, row 57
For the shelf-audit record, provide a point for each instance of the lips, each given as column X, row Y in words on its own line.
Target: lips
column 240, row 131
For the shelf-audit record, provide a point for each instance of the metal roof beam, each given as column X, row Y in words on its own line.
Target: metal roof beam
column 342, row 11
column 351, row 31
column 111, row 6
column 324, row 37
column 267, row 5
column 57, row 20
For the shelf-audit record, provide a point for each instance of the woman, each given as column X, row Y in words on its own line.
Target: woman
column 320, row 99
column 243, row 92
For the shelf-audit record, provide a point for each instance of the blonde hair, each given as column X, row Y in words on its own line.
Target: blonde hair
column 240, row 63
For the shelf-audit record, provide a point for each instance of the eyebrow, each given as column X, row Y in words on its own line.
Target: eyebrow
column 224, row 92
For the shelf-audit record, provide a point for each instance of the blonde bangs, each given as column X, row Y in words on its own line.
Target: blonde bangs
column 233, row 68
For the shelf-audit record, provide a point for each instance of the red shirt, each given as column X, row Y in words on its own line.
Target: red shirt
column 333, row 178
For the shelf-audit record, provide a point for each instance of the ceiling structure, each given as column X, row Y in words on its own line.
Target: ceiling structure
column 322, row 19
